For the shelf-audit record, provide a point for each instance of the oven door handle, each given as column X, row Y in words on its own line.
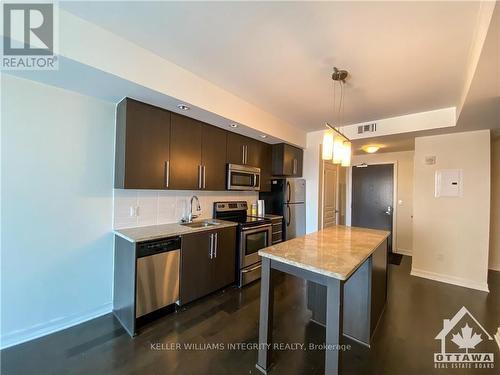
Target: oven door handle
column 251, row 269
column 251, row 229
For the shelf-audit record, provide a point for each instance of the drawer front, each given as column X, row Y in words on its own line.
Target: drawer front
column 277, row 237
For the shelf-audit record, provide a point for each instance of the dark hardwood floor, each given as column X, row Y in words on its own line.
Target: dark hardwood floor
column 404, row 340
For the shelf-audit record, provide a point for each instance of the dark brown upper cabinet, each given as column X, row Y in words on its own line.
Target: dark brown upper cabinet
column 213, row 157
column 236, row 148
column 287, row 160
column 185, row 153
column 243, row 150
column 142, row 146
column 198, row 155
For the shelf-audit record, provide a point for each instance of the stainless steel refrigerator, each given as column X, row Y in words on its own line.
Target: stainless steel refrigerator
column 288, row 198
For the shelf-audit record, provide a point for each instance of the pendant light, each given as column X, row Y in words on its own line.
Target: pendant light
column 328, row 144
column 338, row 150
column 336, row 146
column 346, row 156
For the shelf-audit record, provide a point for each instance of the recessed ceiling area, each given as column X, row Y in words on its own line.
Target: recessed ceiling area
column 404, row 57
column 481, row 109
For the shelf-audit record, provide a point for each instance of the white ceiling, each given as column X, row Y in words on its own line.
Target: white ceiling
column 404, row 57
column 481, row 109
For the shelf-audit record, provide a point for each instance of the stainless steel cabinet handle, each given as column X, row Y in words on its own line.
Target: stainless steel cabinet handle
column 243, row 154
column 211, row 246
column 199, row 176
column 246, row 154
column 167, row 173
column 204, row 178
column 215, row 243
column 294, row 166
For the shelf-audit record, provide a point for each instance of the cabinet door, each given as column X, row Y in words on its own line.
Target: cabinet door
column 287, row 160
column 224, row 271
column 142, row 146
column 254, row 153
column 185, row 153
column 236, row 148
column 297, row 161
column 213, row 155
column 196, row 266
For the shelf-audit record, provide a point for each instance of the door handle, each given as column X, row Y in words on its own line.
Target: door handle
column 199, row 176
column 294, row 166
column 211, row 254
column 388, row 211
column 289, row 192
column 216, row 239
column 243, row 154
column 167, row 173
column 288, row 216
column 204, row 178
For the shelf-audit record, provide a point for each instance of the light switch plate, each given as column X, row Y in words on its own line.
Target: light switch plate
column 448, row 183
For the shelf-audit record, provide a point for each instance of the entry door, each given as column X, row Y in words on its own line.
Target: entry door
column 329, row 194
column 372, row 197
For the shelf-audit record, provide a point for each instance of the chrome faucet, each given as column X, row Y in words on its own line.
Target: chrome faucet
column 190, row 214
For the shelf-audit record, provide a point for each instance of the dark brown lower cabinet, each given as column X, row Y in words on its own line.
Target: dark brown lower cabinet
column 208, row 262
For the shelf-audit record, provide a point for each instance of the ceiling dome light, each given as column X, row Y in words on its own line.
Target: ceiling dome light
column 370, row 148
column 183, row 107
column 233, row 125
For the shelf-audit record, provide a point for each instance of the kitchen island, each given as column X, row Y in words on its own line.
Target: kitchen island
column 346, row 270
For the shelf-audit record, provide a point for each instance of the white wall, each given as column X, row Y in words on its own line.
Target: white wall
column 162, row 207
column 451, row 234
column 494, row 260
column 311, row 174
column 57, row 178
column 403, row 236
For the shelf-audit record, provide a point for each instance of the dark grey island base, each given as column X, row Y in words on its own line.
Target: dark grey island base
column 365, row 294
column 346, row 271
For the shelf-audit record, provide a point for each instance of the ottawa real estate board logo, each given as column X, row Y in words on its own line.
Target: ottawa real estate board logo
column 459, row 338
column 29, row 41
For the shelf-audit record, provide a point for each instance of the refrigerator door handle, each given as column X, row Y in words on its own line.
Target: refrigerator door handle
column 288, row 219
column 289, row 196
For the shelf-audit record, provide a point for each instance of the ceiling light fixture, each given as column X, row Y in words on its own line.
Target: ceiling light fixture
column 234, row 125
column 370, row 148
column 336, row 146
column 263, row 136
column 183, row 107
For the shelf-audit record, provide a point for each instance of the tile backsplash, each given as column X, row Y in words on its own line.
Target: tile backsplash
column 134, row 208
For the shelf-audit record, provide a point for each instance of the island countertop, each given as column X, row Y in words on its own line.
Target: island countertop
column 335, row 251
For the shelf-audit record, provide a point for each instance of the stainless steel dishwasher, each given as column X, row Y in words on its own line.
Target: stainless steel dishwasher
column 157, row 283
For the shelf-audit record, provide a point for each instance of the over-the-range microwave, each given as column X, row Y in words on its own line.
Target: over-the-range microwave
column 243, row 177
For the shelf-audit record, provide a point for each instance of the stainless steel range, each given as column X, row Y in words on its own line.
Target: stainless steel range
column 254, row 233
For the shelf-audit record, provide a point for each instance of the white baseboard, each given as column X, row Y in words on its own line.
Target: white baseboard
column 450, row 279
column 54, row 325
column 494, row 267
column 403, row 252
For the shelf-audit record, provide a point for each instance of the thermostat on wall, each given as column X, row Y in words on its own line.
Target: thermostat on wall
column 430, row 160
column 448, row 183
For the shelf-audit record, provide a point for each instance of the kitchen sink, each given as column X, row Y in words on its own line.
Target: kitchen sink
column 201, row 224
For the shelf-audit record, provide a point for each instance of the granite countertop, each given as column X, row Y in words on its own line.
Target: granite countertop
column 154, row 232
column 335, row 251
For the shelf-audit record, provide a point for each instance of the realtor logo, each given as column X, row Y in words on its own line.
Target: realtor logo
column 461, row 334
column 28, row 36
